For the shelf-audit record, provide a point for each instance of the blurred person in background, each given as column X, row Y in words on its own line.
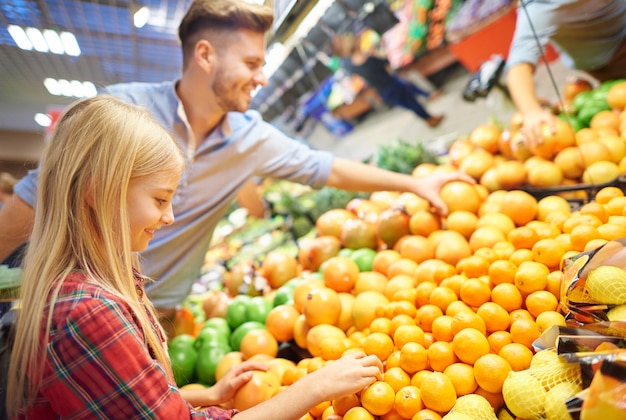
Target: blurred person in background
column 7, row 182
column 590, row 35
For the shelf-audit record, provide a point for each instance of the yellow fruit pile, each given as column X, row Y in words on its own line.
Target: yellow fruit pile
column 540, row 391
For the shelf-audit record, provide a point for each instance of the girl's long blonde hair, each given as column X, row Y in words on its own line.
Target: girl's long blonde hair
column 96, row 148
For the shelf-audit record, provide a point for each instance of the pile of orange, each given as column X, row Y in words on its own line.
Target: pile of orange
column 451, row 311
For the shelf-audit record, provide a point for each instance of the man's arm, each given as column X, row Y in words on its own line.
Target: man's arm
column 355, row 176
column 16, row 224
column 522, row 88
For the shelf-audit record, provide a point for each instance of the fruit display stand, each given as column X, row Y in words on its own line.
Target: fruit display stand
column 502, row 308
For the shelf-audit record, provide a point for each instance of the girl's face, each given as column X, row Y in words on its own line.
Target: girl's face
column 150, row 206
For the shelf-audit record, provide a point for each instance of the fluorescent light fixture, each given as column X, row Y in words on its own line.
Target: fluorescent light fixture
column 36, row 37
column 20, row 37
column 141, row 16
column 70, row 44
column 53, row 86
column 54, row 41
column 75, row 88
column 89, row 90
column 43, row 120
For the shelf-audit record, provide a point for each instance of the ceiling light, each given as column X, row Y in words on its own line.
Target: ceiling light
column 141, row 16
column 39, row 42
column 20, row 37
column 77, row 88
column 66, row 87
column 43, row 120
column 53, row 86
column 89, row 90
column 70, row 44
column 54, row 41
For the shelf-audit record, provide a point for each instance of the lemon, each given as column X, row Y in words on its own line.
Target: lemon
column 555, row 400
column 617, row 313
column 475, row 406
column 524, row 395
column 607, row 284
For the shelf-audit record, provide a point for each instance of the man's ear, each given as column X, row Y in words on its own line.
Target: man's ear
column 204, row 54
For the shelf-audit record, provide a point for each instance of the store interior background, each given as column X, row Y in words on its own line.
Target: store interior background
column 113, row 50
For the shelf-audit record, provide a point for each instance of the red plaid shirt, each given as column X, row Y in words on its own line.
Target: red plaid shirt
column 97, row 364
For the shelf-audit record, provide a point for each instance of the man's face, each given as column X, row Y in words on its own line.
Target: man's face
column 239, row 71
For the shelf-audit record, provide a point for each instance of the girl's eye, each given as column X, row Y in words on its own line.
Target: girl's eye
column 161, row 201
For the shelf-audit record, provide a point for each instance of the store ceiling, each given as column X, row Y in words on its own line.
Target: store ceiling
column 113, row 50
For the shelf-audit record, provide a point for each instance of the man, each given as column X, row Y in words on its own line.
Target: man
column 589, row 34
column 223, row 44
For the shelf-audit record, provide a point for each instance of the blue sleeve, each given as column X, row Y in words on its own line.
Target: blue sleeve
column 26, row 188
column 525, row 47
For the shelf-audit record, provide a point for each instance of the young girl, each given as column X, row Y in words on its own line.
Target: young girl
column 87, row 343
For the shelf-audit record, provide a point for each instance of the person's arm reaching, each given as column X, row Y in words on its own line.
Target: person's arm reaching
column 16, row 224
column 355, row 176
column 522, row 88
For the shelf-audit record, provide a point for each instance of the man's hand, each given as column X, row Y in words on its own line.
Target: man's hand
column 429, row 187
column 532, row 126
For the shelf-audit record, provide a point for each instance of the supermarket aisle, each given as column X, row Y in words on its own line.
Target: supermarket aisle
column 386, row 125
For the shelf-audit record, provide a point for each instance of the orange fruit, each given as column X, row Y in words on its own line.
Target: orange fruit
column 495, row 399
column 226, row 362
column 616, row 205
column 517, row 354
column 467, row 319
column 380, row 325
column 508, row 296
column 469, row 344
column 291, row 375
column 462, row 377
column 370, row 281
column 378, row 398
column 433, row 270
column 413, row 357
column 525, row 332
column 364, row 308
column 261, row 387
column 498, row 339
column 520, row 314
column 547, row 319
column 358, row 413
column 417, row 248
column 520, row 206
column 452, row 247
column 454, row 283
column 496, row 318
column 473, row 266
column 408, row 334
column 258, row 342
column 384, row 259
column 345, row 316
column 442, row 328
column 607, row 193
column 490, row 371
column 596, row 209
column 399, row 282
column 548, row 252
column 423, row 291
column 340, row 273
column 440, row 355
column 397, row 378
column 404, row 266
column 474, row 292
column 531, row 276
column 341, row 405
column 333, row 349
column 378, row 344
column 438, row 392
column 462, row 221
column 486, row 236
column 522, row 237
column 318, row 409
column 300, row 331
column 322, row 306
column 321, row 332
column 406, row 295
column 401, row 319
column 442, row 296
column 541, row 301
column 424, row 222
column 521, row 255
column 612, row 231
column 426, row 414
column 408, row 401
column 393, row 360
column 425, row 316
column 551, row 204
column 280, row 322
column 502, row 271
column 302, row 289
column 456, row 307
column 458, row 195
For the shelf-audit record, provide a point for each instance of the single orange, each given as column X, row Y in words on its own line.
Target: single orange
column 378, row 344
column 467, row 319
column 508, row 296
column 408, row 334
column 462, row 377
column 442, row 328
column 518, row 355
column 341, row 405
column 541, row 301
column 442, row 297
column 258, row 342
column 490, row 371
column 413, row 357
column 469, row 344
column 496, row 318
column 358, row 413
column 525, row 332
column 498, row 339
column 438, row 392
column 402, row 266
column 370, row 281
column 340, row 273
column 474, row 292
column 531, row 276
column 322, row 306
column 425, row 316
column 378, row 398
column 383, row 260
column 280, row 322
column 473, row 266
column 397, row 378
column 440, row 355
column 423, row 292
column 408, row 401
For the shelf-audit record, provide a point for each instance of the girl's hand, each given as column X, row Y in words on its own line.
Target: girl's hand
column 237, row 376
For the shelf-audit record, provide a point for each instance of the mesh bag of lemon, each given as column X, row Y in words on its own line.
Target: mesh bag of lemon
column 594, row 284
column 540, row 391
